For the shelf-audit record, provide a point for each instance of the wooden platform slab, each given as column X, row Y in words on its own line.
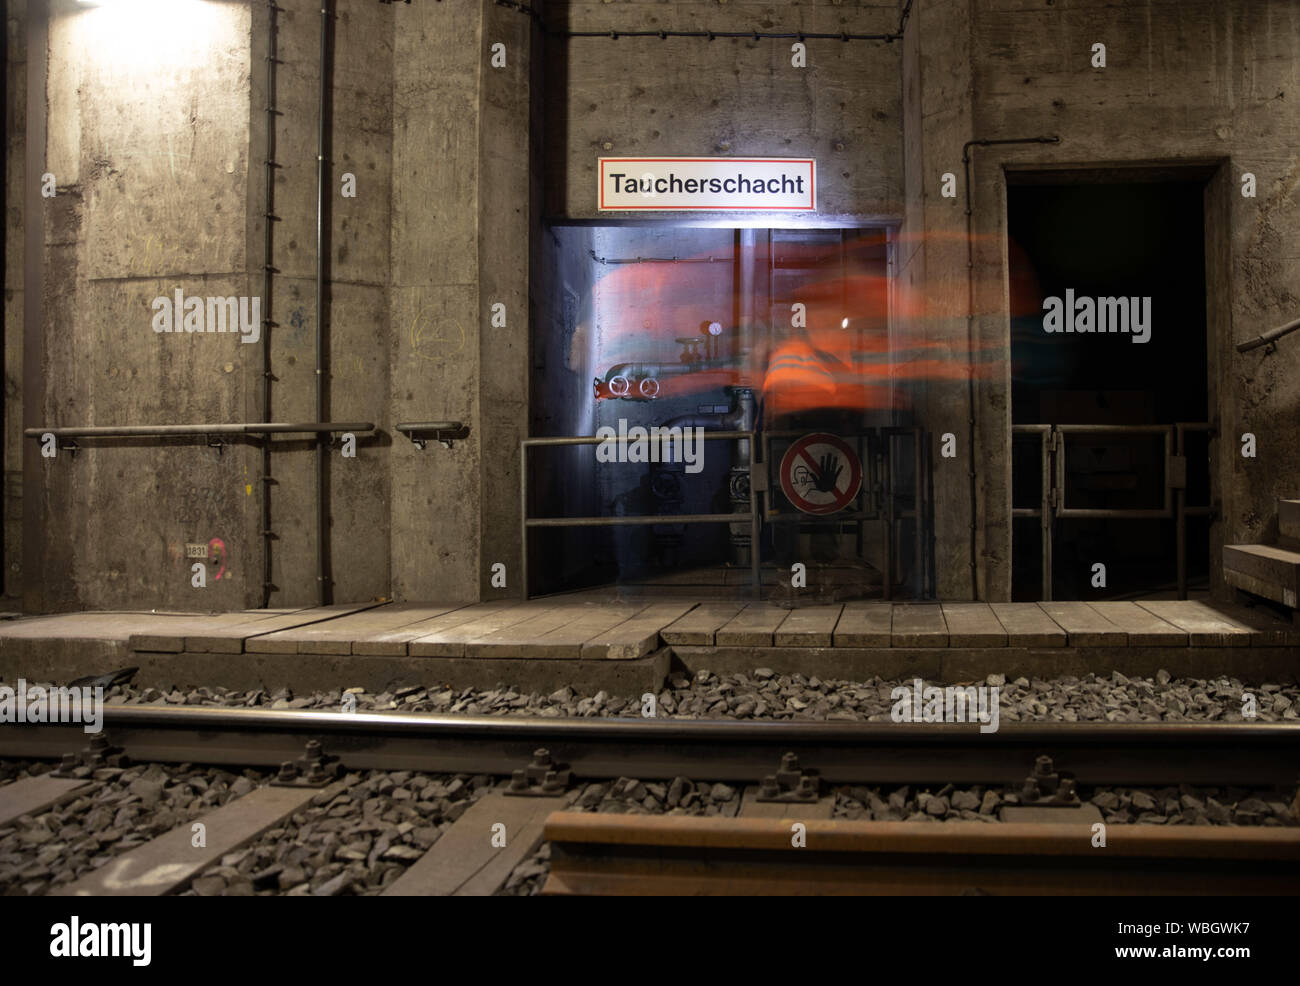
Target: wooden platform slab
column 385, row 644
column 1083, row 625
column 753, row 626
column 338, row 634
column 1141, row 627
column 808, row 626
column 919, row 625
column 233, row 637
column 864, row 625
column 1203, row 624
column 556, row 633
column 973, row 625
column 699, row 626
column 1028, row 626
column 483, row 619
column 636, row 637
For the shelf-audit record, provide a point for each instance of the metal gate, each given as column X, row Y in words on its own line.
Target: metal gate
column 1052, row 445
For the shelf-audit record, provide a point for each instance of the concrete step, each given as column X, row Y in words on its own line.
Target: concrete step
column 1288, row 520
column 1266, row 570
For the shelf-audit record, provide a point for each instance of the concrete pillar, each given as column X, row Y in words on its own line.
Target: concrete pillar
column 460, row 234
column 938, row 120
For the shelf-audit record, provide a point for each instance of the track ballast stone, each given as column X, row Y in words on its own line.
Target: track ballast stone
column 354, row 838
column 763, row 694
column 120, row 809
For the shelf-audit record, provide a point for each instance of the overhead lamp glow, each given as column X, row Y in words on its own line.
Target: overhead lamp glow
column 135, row 6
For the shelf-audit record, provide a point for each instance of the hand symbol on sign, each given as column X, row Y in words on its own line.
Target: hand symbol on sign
column 828, row 473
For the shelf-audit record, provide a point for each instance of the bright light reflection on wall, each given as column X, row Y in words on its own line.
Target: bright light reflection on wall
column 151, row 33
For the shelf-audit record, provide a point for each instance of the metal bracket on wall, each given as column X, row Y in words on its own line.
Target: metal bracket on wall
column 443, row 432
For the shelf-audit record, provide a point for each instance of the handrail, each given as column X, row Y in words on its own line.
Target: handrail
column 166, row 431
column 1269, row 337
column 527, row 523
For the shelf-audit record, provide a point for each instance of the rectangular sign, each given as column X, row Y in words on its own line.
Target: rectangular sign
column 695, row 183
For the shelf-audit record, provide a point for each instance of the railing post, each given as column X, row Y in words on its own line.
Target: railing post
column 523, row 517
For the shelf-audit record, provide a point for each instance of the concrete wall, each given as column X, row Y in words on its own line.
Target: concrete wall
column 931, row 266
column 1185, row 82
column 148, row 145
column 727, row 97
column 157, row 136
column 15, row 150
column 460, row 244
column 356, row 305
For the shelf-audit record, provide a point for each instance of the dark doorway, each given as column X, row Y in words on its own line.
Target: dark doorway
column 1135, row 250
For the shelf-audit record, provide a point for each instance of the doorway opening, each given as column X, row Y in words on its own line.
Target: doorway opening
column 688, row 328
column 1109, row 383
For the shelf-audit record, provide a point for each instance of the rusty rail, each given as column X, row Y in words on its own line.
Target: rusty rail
column 601, row 854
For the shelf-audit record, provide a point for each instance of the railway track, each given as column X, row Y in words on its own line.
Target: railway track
column 792, row 847
column 644, row 855
column 1245, row 755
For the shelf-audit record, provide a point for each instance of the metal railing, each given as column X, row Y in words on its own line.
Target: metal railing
column 1270, row 337
column 207, row 431
column 1052, row 442
column 757, row 482
column 167, row 431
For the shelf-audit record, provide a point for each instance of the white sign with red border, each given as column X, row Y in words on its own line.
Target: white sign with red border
column 820, row 474
column 687, row 184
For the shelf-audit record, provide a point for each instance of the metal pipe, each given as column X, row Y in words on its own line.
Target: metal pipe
column 1045, row 524
column 918, row 512
column 632, row 521
column 887, row 482
column 323, row 588
column 1098, row 512
column 1271, row 336
column 525, row 522
column 34, row 506
column 523, row 514
column 970, row 339
column 272, row 59
column 166, row 431
column 1112, row 429
column 595, row 440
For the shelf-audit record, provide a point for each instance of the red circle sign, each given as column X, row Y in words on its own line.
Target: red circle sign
column 820, row 474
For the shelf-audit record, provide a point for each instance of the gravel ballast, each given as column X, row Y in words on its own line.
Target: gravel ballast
column 360, row 834
column 763, row 694
column 120, row 809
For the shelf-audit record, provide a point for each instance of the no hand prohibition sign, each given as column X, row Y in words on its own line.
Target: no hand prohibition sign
column 820, row 474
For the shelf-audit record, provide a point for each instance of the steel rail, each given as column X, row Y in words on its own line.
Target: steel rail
column 1245, row 755
column 606, row 854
